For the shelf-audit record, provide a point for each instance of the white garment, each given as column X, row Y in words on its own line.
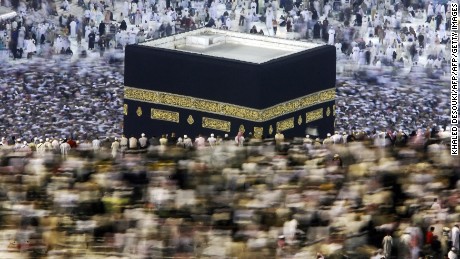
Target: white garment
column 331, row 36
column 132, row 38
column 452, row 255
column 212, row 141
column 21, row 36
column 269, row 19
column 55, row 144
column 96, row 144
column 239, row 140
column 41, row 148
column 87, row 32
column 455, row 237
column 115, row 147
column 73, row 29
column 289, row 230
column 125, row 9
column 30, row 46
column 65, row 148
column 200, row 142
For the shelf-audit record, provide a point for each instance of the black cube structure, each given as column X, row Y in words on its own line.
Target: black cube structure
column 213, row 81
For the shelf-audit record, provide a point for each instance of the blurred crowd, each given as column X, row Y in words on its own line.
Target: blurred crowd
column 365, row 32
column 347, row 196
column 61, row 98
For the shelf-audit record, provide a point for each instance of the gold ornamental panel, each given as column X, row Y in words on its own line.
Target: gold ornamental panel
column 227, row 109
column 165, row 115
column 285, row 124
column 314, row 115
column 190, row 120
column 125, row 109
column 258, row 132
column 216, row 124
column 139, row 111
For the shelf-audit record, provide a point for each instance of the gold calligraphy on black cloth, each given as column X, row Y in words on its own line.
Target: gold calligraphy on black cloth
column 227, row 109
column 314, row 115
column 165, row 115
column 216, row 124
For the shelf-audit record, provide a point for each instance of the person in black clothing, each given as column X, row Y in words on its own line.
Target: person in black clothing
column 358, row 20
column 172, row 139
column 42, row 39
column 253, row 30
column 207, row 17
column 421, row 40
column 324, row 29
column 368, row 57
column 289, row 25
column 210, row 23
column 101, row 28
column 438, row 21
column 436, row 247
column 168, row 29
column 317, row 30
column 101, row 44
column 350, row 138
column 91, row 40
column 123, row 25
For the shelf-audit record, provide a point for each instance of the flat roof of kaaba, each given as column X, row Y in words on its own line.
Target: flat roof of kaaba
column 231, row 45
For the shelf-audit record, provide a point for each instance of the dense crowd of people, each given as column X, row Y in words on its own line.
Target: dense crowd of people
column 382, row 186
column 61, row 98
column 361, row 195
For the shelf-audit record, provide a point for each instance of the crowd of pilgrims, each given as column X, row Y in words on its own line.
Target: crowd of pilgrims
column 356, row 195
column 364, row 31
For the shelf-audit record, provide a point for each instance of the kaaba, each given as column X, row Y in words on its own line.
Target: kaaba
column 215, row 81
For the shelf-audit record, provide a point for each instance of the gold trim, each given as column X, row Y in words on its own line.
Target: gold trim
column 190, row 120
column 270, row 130
column 333, row 109
column 258, row 132
column 216, row 124
column 314, row 115
column 241, row 128
column 328, row 111
column 285, row 124
column 125, row 109
column 164, row 115
column 139, row 111
column 299, row 120
column 227, row 109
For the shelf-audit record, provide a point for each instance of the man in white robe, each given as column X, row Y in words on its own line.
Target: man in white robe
column 331, row 39
column 73, row 29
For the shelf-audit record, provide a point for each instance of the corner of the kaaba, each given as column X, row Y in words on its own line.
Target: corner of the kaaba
column 167, row 91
